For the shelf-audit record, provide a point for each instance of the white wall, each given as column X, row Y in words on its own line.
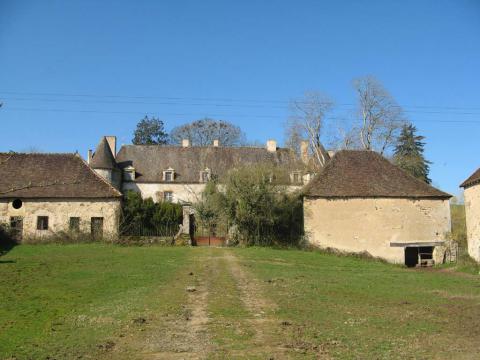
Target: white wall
column 357, row 225
column 472, row 212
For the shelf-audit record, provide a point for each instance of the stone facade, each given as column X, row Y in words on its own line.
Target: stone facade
column 181, row 193
column 59, row 212
column 374, row 224
column 472, row 210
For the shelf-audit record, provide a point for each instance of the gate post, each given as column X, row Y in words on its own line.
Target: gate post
column 187, row 224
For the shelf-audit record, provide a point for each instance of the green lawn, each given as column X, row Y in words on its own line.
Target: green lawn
column 97, row 301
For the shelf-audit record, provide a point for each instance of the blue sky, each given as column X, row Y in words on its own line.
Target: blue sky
column 236, row 60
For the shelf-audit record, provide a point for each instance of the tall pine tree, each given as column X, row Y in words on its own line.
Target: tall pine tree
column 409, row 155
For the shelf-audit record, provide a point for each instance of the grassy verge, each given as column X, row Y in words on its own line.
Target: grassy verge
column 350, row 308
column 64, row 301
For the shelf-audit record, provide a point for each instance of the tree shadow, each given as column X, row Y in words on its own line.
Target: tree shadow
column 6, row 244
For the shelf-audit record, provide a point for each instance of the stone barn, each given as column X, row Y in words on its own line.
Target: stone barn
column 472, row 211
column 46, row 194
column 360, row 202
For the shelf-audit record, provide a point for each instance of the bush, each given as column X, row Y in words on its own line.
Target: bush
column 144, row 217
column 258, row 210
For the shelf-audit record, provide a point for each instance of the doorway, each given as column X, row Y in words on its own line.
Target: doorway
column 411, row 256
column 16, row 227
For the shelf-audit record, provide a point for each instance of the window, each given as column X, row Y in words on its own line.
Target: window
column 296, row 177
column 97, row 227
column 168, row 196
column 129, row 173
column 74, row 225
column 205, row 176
column 42, row 223
column 169, row 175
column 17, row 204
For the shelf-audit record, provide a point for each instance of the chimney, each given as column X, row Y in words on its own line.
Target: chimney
column 216, row 143
column 271, row 145
column 112, row 143
column 185, row 143
column 89, row 156
column 304, row 151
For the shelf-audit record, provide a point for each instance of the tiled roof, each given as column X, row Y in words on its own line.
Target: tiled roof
column 103, row 157
column 472, row 180
column 367, row 174
column 50, row 176
column 150, row 161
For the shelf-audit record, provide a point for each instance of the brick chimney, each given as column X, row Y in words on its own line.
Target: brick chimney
column 304, row 151
column 272, row 145
column 216, row 143
column 89, row 156
column 185, row 143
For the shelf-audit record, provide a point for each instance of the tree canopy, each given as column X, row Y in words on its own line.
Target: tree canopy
column 202, row 133
column 409, row 153
column 150, row 131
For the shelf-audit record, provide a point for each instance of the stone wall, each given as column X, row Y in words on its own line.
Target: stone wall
column 472, row 210
column 59, row 213
column 357, row 225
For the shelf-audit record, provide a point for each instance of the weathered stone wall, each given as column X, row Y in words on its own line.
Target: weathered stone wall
column 59, row 213
column 182, row 193
column 472, row 210
column 357, row 225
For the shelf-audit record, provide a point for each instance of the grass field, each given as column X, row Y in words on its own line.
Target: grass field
column 97, row 301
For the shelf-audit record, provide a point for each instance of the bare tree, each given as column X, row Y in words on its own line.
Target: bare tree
column 204, row 131
column 307, row 122
column 381, row 118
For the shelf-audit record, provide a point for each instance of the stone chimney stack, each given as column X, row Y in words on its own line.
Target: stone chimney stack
column 185, row 143
column 272, row 145
column 112, row 143
column 304, row 151
column 89, row 156
column 216, row 143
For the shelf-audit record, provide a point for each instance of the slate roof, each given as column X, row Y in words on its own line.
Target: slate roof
column 150, row 161
column 50, row 176
column 103, row 157
column 472, row 180
column 367, row 174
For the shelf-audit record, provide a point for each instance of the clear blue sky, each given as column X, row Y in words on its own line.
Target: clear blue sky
column 236, row 60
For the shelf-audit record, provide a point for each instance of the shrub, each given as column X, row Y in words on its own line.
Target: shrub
column 258, row 210
column 144, row 217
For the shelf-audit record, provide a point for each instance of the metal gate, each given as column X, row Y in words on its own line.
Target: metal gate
column 213, row 235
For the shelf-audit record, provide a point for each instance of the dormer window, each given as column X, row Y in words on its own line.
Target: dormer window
column 296, row 177
column 169, row 175
column 129, row 173
column 205, row 175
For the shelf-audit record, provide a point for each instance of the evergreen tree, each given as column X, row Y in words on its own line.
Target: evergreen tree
column 150, row 132
column 409, row 155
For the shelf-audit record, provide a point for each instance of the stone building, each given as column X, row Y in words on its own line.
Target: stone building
column 46, row 194
column 360, row 202
column 179, row 173
column 472, row 211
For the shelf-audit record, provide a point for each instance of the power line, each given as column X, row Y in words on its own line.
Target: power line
column 206, row 99
column 172, row 103
column 141, row 113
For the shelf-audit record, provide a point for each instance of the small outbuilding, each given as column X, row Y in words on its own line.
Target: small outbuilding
column 471, row 188
column 361, row 202
column 42, row 195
